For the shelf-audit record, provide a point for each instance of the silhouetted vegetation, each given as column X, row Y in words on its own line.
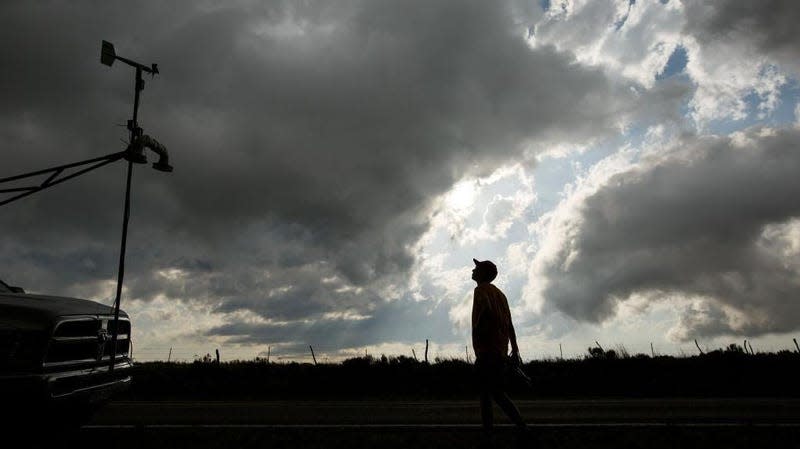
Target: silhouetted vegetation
column 729, row 372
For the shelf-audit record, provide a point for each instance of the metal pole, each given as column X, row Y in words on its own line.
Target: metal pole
column 698, row 347
column 121, row 272
column 312, row 354
column 134, row 130
column 137, row 88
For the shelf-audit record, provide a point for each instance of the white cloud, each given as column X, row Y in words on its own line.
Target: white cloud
column 726, row 73
column 633, row 40
column 737, row 49
column 712, row 219
column 727, row 63
column 555, row 232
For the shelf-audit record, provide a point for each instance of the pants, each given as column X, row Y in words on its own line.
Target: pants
column 489, row 370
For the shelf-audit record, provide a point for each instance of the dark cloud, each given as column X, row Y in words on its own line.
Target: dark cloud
column 713, row 221
column 769, row 26
column 307, row 138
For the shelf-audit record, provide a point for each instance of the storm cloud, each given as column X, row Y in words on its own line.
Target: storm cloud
column 308, row 140
column 770, row 27
column 711, row 223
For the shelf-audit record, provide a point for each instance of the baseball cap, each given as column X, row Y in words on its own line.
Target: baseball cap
column 486, row 266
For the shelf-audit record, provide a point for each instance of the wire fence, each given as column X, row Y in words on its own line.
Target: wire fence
column 276, row 354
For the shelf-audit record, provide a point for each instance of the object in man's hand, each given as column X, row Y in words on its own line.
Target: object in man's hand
column 515, row 372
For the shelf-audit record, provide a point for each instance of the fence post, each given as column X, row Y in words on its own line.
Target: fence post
column 312, row 354
column 217, row 356
column 426, row 350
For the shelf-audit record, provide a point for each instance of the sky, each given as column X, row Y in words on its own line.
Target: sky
column 630, row 166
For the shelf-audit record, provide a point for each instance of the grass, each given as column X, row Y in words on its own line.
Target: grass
column 722, row 373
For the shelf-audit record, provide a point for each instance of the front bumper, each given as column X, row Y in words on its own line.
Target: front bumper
column 94, row 384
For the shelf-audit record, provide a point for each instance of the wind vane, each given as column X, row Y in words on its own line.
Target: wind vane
column 138, row 141
column 134, row 154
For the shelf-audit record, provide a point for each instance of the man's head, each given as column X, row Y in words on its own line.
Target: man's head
column 484, row 271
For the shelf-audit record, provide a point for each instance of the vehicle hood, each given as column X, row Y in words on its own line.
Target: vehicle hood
column 19, row 308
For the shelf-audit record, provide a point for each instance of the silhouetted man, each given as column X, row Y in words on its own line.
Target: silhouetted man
column 491, row 331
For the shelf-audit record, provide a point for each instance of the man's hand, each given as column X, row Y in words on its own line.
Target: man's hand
column 515, row 357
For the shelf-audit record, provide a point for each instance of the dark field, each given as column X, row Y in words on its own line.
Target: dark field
column 720, row 374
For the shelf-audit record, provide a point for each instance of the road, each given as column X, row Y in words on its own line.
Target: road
column 645, row 423
column 383, row 413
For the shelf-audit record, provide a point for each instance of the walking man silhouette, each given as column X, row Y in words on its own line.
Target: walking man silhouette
column 492, row 330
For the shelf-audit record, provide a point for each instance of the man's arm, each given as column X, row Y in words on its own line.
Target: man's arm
column 512, row 335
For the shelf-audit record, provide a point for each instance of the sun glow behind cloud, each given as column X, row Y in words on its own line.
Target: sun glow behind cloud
column 461, row 197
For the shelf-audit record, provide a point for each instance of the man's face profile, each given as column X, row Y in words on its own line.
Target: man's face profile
column 479, row 273
column 484, row 271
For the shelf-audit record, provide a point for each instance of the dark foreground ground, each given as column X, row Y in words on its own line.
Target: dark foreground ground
column 636, row 423
column 722, row 399
column 415, row 438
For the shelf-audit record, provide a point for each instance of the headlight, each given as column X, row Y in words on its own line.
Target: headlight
column 21, row 348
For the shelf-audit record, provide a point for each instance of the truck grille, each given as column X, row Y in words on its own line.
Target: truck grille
column 87, row 341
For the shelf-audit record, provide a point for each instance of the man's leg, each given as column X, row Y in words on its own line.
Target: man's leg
column 508, row 407
column 525, row 437
column 485, row 387
column 487, row 417
column 483, row 378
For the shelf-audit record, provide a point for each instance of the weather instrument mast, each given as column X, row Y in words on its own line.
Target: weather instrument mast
column 134, row 154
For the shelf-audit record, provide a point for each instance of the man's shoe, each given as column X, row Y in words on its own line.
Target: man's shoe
column 526, row 437
column 486, row 441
